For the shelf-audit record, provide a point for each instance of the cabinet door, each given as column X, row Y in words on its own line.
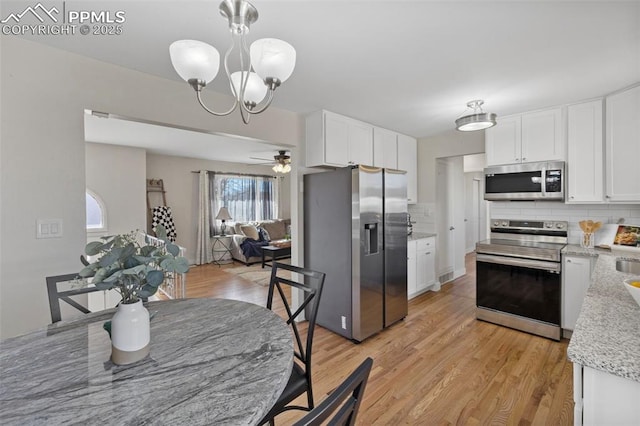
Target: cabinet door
column 425, row 263
column 336, row 140
column 585, row 153
column 503, row 141
column 542, row 136
column 385, row 148
column 408, row 161
column 430, row 262
column 576, row 277
column 360, row 143
column 623, row 146
column 412, row 284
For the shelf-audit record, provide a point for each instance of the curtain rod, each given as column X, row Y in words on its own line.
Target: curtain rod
column 236, row 174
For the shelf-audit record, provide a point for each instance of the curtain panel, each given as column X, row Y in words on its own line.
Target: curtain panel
column 203, row 241
column 246, row 197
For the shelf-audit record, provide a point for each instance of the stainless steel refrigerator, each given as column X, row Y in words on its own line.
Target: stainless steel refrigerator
column 355, row 231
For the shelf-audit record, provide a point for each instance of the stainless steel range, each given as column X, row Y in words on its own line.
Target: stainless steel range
column 518, row 276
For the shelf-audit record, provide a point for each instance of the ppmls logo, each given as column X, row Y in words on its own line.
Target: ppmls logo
column 38, row 11
column 68, row 22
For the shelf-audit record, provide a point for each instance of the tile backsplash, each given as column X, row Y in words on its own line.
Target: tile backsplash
column 425, row 221
column 572, row 213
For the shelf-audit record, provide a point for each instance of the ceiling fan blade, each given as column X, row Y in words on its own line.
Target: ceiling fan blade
column 259, row 158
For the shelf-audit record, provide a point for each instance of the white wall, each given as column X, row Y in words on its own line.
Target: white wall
column 117, row 175
column 44, row 94
column 181, row 188
column 447, row 144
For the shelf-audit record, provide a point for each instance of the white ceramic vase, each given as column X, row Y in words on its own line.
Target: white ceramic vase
column 130, row 333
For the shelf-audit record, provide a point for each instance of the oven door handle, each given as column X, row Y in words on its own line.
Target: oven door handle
column 524, row 263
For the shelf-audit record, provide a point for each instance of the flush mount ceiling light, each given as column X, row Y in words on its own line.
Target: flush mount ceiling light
column 477, row 119
column 283, row 162
column 268, row 63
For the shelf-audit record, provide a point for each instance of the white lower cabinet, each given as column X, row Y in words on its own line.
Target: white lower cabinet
column 602, row 398
column 421, row 271
column 576, row 278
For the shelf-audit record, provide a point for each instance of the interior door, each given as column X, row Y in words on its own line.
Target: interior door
column 443, row 218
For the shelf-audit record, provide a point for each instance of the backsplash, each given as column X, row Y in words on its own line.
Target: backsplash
column 572, row 213
column 423, row 214
column 425, row 221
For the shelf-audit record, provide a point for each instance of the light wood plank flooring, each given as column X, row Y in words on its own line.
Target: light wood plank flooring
column 439, row 366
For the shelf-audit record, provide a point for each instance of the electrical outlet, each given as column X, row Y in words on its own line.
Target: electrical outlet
column 344, row 322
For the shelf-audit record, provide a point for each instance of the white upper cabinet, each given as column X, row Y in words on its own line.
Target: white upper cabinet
column 360, row 143
column 408, row 161
column 385, row 148
column 524, row 138
column 585, row 153
column 337, row 141
column 503, row 142
column 623, row 146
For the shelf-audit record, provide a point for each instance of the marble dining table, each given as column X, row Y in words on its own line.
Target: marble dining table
column 212, row 361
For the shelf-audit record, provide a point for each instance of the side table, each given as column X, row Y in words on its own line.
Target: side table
column 221, row 249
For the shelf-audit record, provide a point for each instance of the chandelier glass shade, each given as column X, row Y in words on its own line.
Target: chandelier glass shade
column 476, row 119
column 262, row 67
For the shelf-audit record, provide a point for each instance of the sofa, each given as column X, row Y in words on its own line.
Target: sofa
column 266, row 231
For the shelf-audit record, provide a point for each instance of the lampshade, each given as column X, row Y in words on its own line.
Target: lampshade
column 255, row 91
column 194, row 59
column 477, row 119
column 273, row 58
column 223, row 214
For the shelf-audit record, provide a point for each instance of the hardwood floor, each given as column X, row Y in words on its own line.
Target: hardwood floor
column 439, row 366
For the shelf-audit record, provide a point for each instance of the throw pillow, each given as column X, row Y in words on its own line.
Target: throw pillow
column 250, row 231
column 276, row 229
column 264, row 235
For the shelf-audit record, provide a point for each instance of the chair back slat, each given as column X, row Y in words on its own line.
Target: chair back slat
column 344, row 401
column 311, row 285
column 55, row 295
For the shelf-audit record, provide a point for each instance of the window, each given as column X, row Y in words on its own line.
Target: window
column 96, row 213
column 248, row 198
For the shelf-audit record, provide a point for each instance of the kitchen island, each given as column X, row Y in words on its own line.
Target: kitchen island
column 605, row 346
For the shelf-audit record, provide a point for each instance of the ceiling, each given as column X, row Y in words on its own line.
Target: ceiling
column 409, row 66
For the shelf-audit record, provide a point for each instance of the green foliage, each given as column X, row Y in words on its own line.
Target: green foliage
column 134, row 270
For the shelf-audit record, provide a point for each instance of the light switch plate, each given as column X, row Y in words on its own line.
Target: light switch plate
column 49, row 228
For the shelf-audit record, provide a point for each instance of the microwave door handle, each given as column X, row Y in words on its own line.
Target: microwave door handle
column 543, row 186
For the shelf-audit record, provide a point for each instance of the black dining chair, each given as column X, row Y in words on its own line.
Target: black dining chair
column 310, row 282
column 55, row 295
column 342, row 405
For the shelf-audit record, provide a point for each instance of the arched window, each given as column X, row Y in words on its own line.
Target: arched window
column 96, row 213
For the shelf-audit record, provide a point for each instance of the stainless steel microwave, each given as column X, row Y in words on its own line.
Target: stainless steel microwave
column 526, row 181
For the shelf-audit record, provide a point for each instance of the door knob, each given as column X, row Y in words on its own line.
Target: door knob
column 451, row 228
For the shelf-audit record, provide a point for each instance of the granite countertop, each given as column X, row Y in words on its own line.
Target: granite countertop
column 420, row 236
column 212, row 361
column 607, row 334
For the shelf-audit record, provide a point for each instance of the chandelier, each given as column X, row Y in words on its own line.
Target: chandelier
column 268, row 63
column 477, row 119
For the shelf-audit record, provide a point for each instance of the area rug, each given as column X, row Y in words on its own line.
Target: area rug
column 256, row 274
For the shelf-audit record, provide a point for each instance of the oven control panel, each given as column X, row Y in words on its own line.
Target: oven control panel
column 529, row 224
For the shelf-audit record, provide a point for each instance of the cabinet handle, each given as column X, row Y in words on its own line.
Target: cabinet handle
column 428, row 252
column 608, row 196
column 568, row 260
column 524, row 158
column 572, row 197
column 517, row 159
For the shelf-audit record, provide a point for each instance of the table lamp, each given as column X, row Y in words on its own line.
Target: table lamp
column 223, row 214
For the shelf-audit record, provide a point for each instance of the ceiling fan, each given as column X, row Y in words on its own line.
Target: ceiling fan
column 281, row 162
